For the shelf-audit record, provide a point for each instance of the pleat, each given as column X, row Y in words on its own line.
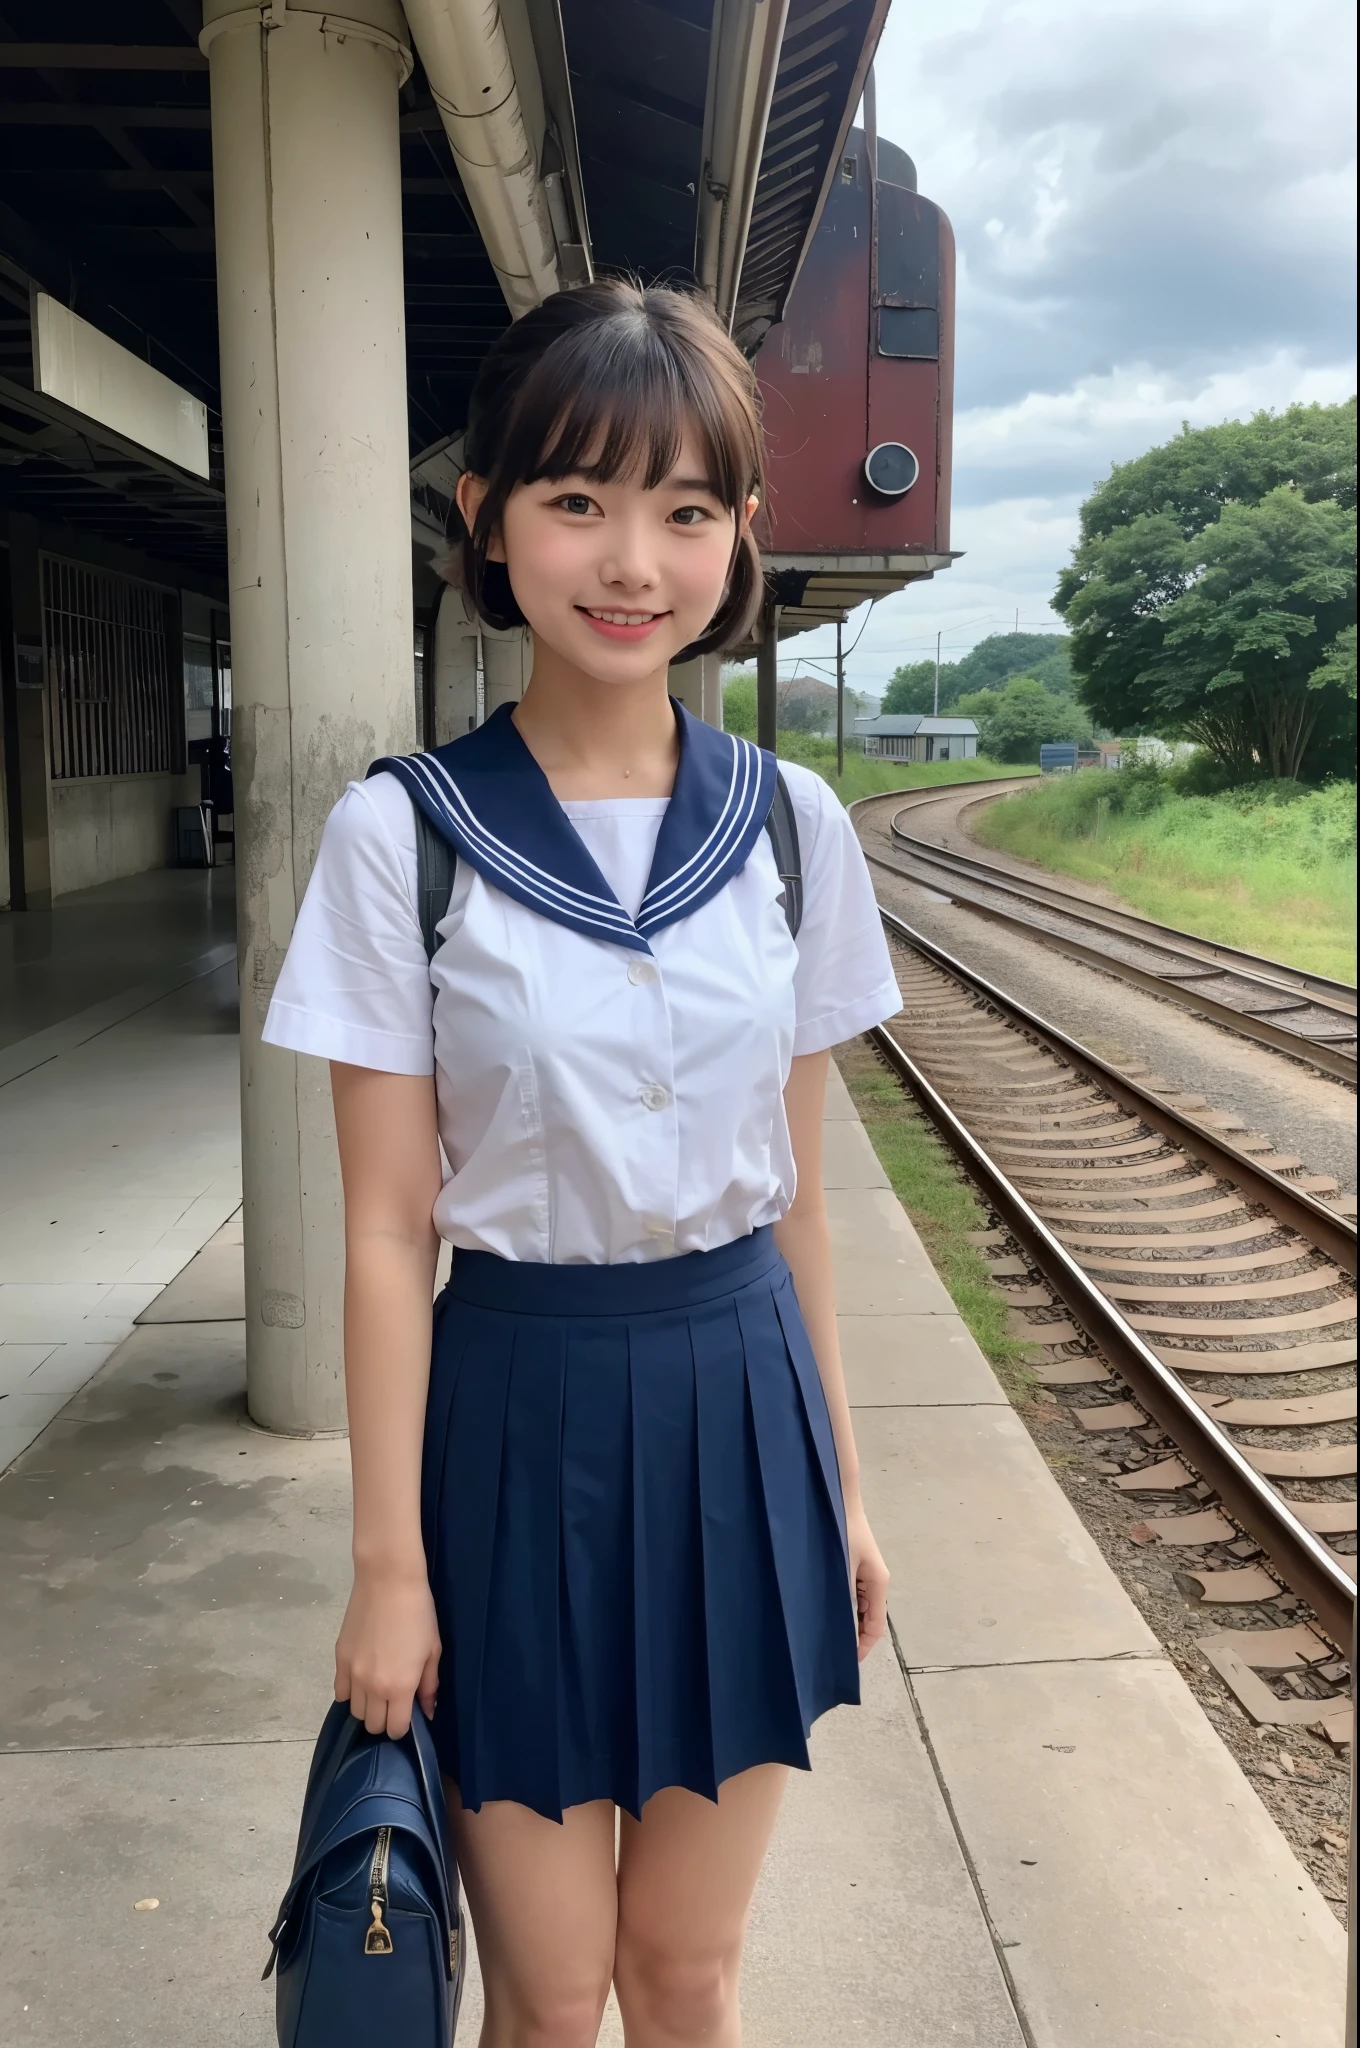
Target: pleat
column 461, row 1580
column 813, row 1396
column 801, row 1514
column 670, row 1679
column 520, row 1707
column 596, row 1627
column 448, row 1350
column 754, row 1704
column 636, row 1541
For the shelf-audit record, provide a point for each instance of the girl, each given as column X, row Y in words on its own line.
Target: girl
column 607, row 1524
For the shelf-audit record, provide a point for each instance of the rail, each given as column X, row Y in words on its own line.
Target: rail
column 1103, row 1153
column 1255, row 991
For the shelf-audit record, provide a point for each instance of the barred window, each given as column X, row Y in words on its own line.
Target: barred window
column 115, row 691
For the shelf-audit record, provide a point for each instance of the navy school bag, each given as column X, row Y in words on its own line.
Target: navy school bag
column 370, row 1940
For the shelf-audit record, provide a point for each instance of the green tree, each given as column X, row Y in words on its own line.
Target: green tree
column 993, row 662
column 739, row 704
column 1240, row 667
column 978, row 704
column 989, row 666
column 912, row 688
column 1210, row 584
column 1026, row 714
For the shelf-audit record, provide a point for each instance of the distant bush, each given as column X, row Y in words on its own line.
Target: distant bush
column 1020, row 719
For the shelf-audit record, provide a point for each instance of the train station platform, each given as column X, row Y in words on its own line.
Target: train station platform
column 1028, row 1836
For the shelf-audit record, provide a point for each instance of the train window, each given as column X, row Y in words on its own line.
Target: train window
column 909, row 331
column 847, row 170
column 908, row 249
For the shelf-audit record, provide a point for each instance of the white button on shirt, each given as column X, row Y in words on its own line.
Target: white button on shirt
column 594, row 1106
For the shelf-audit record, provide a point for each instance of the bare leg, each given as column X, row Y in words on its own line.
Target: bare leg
column 687, row 1870
column 543, row 1900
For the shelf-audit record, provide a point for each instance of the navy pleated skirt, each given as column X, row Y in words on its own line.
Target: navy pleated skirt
column 634, row 1527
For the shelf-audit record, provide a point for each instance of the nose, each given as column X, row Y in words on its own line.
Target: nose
column 628, row 564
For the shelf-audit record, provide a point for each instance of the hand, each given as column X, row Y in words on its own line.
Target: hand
column 868, row 1576
column 387, row 1651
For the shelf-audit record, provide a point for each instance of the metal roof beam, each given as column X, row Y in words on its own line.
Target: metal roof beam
column 101, row 57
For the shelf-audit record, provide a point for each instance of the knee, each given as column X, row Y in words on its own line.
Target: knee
column 679, row 1997
column 554, row 2017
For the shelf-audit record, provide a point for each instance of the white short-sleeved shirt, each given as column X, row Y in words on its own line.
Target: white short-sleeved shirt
column 596, row 1104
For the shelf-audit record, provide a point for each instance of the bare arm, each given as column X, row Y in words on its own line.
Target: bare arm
column 388, row 1647
column 804, row 1237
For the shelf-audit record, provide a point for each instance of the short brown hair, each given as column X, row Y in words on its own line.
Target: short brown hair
column 601, row 382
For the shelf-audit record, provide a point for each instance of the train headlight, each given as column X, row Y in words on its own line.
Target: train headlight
column 891, row 469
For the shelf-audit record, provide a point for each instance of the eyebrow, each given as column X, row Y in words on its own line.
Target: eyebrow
column 692, row 483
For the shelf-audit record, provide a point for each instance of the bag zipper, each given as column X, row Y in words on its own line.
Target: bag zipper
column 378, row 1938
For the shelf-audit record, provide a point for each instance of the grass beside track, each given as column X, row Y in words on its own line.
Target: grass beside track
column 942, row 1206
column 876, row 778
column 1268, row 869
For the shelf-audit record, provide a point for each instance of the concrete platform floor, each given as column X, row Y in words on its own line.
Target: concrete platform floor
column 119, row 1136
column 1028, row 1834
column 108, row 944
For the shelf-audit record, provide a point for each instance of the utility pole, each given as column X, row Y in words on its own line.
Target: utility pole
column 840, row 701
column 938, row 637
column 1016, row 627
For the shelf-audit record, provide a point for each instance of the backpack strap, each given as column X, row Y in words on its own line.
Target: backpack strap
column 782, row 827
column 437, row 865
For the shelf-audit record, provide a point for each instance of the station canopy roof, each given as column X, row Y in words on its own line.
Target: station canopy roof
column 106, row 203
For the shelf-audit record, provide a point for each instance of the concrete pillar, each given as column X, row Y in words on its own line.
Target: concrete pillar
column 507, row 663
column 27, row 760
column 455, row 668
column 309, row 266
column 698, row 685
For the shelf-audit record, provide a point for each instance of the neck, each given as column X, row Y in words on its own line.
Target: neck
column 594, row 739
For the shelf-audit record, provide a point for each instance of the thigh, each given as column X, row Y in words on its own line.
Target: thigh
column 688, row 1868
column 543, row 1900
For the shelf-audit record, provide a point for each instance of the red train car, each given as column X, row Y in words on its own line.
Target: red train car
column 858, row 387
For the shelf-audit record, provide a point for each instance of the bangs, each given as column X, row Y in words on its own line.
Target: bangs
column 613, row 405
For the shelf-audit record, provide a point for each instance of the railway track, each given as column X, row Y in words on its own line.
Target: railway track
column 1307, row 1016
column 1186, row 1291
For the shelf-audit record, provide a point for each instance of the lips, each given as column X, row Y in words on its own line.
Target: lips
column 621, row 625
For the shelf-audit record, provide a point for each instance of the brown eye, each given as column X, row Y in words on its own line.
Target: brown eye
column 689, row 515
column 575, row 502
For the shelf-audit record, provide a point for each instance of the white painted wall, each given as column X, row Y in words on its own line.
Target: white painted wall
column 107, row 826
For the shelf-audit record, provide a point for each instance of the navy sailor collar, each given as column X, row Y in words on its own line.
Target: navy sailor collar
column 487, row 796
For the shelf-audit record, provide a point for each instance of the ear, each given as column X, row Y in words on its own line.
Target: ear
column 468, row 496
column 752, row 507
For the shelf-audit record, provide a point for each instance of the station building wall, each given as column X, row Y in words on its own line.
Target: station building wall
column 107, row 826
column 116, row 647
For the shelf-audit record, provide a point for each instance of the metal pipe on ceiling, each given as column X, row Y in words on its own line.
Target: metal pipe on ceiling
column 467, row 58
column 747, row 38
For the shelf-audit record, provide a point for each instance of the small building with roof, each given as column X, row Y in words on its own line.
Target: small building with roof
column 917, row 736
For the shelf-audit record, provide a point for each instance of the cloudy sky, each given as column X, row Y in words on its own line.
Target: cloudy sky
column 1154, row 202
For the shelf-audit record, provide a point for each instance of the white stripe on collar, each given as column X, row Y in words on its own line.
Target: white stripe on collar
column 487, row 796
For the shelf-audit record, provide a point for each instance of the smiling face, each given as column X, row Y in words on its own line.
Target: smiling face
column 615, row 577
